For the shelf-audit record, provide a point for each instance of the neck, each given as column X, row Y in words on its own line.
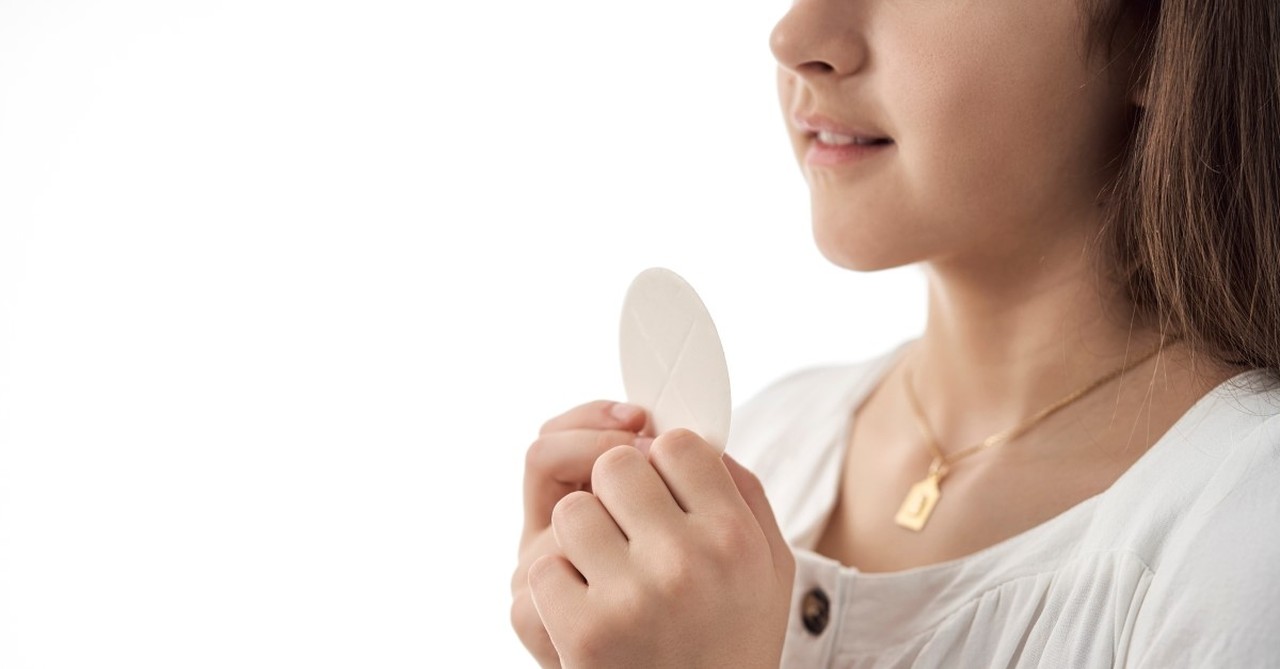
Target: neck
column 1005, row 339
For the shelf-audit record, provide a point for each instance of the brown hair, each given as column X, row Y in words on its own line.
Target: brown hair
column 1192, row 219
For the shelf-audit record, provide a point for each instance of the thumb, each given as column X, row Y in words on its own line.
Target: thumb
column 753, row 494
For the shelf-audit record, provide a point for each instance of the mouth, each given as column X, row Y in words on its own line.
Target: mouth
column 834, row 145
column 832, row 132
column 838, row 139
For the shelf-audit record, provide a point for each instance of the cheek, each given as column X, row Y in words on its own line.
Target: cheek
column 950, row 105
column 962, row 142
column 996, row 120
column 999, row 119
column 962, row 122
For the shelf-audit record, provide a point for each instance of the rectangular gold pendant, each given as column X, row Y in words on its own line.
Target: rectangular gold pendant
column 919, row 503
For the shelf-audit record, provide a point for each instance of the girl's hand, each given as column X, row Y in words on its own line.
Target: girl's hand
column 559, row 463
column 673, row 560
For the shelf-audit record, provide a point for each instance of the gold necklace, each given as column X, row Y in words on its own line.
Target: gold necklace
column 923, row 496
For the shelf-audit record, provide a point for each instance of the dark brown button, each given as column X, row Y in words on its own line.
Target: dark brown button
column 815, row 611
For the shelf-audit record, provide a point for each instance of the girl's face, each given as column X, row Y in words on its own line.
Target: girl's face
column 997, row 134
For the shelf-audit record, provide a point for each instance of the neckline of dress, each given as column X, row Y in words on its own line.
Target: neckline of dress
column 888, row 361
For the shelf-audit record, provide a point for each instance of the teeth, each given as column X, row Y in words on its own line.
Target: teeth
column 832, row 138
column 835, row 139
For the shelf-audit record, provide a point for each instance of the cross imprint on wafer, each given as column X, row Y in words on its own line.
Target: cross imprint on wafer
column 672, row 362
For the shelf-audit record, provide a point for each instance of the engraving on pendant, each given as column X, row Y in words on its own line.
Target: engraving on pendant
column 918, row 504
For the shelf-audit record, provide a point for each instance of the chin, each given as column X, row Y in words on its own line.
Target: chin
column 863, row 243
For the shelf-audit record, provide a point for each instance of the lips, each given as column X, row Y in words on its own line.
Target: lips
column 828, row 131
column 835, row 139
column 835, row 145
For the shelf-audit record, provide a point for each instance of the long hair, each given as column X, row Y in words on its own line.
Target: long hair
column 1192, row 219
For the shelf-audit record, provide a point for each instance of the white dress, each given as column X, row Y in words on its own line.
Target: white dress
column 1177, row 564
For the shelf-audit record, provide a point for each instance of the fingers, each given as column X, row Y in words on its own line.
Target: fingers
column 753, row 494
column 633, row 493
column 559, row 463
column 559, row 593
column 524, row 617
column 532, row 548
column 598, row 415
column 695, row 474
column 587, row 534
column 529, row 628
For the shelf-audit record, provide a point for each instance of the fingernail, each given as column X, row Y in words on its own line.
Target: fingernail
column 643, row 443
column 626, row 412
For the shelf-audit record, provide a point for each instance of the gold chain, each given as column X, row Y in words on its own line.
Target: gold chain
column 923, row 496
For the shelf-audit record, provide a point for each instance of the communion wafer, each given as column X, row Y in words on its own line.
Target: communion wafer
column 672, row 362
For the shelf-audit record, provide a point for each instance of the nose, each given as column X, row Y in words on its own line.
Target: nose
column 819, row 37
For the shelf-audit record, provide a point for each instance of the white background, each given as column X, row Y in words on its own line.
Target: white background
column 286, row 289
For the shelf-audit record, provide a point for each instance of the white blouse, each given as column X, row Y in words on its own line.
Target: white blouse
column 1177, row 564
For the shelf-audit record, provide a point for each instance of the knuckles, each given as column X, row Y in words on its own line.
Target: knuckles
column 675, row 573
column 570, row 506
column 541, row 569
column 680, row 438
column 598, row 409
column 732, row 541
column 606, row 440
column 613, row 463
column 535, row 456
column 678, row 445
column 539, row 456
column 680, row 578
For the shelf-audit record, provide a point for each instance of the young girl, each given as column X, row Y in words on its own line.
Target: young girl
column 1077, row 464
